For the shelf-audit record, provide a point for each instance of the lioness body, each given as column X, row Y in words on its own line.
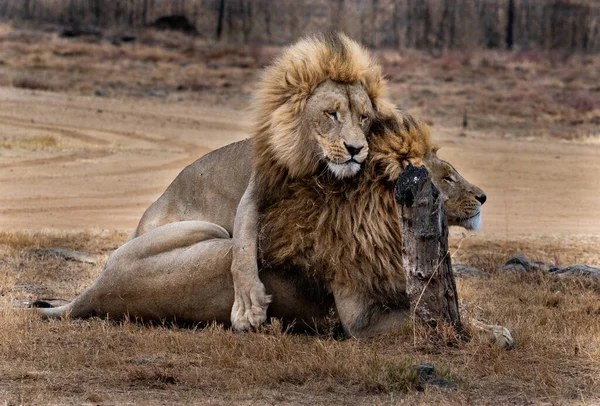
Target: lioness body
column 208, row 190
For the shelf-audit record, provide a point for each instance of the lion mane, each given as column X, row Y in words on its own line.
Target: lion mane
column 347, row 231
column 282, row 150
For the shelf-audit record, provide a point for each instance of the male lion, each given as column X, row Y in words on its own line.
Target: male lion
column 314, row 108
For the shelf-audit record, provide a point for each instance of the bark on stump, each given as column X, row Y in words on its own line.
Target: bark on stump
column 427, row 264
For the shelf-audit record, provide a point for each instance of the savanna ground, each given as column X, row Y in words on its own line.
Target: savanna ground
column 91, row 133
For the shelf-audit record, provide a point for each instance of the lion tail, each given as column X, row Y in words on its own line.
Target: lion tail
column 76, row 309
column 54, row 312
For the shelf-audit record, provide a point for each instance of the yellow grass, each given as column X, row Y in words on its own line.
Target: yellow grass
column 38, row 142
column 556, row 323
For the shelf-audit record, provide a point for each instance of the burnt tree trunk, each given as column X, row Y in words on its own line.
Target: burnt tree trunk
column 427, row 264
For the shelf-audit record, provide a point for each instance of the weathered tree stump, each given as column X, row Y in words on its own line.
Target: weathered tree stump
column 427, row 263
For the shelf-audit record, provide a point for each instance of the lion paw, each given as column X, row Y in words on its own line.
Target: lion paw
column 249, row 307
column 499, row 335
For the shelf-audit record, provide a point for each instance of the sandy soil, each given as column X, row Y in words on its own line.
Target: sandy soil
column 114, row 157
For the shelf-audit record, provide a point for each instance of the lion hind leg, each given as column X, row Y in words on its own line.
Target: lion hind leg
column 362, row 316
column 173, row 236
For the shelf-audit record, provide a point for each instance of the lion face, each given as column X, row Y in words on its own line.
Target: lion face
column 462, row 199
column 337, row 118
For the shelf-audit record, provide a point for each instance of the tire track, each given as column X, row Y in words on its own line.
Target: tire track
column 66, row 132
column 189, row 149
column 153, row 143
column 52, row 209
column 127, row 193
column 53, row 160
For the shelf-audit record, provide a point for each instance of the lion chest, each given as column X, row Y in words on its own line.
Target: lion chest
column 348, row 236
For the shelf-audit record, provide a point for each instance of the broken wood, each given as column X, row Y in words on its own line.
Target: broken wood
column 427, row 264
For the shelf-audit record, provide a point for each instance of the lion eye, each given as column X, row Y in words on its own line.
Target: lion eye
column 363, row 118
column 449, row 179
column 332, row 114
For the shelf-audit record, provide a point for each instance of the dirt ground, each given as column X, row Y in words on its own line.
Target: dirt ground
column 91, row 134
column 115, row 157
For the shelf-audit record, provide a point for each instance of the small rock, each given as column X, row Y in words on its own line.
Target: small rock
column 520, row 263
column 99, row 93
column 128, row 38
column 466, row 270
column 576, row 270
column 424, row 371
column 427, row 376
column 159, row 94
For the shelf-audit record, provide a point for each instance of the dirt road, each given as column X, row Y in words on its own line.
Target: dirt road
column 108, row 159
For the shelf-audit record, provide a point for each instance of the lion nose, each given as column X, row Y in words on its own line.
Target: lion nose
column 353, row 149
column 481, row 198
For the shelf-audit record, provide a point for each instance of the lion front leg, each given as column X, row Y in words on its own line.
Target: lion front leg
column 362, row 316
column 250, row 298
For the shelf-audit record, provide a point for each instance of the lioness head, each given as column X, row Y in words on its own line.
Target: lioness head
column 399, row 138
column 336, row 119
column 462, row 199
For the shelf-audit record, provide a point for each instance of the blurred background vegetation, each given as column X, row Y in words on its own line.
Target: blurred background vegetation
column 569, row 25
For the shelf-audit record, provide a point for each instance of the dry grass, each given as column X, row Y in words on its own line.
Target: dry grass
column 34, row 143
column 556, row 323
column 488, row 253
column 35, row 82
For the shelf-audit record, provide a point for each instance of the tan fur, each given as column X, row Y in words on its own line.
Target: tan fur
column 290, row 81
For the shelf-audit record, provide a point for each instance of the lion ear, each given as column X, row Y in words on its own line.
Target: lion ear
column 413, row 161
column 416, row 161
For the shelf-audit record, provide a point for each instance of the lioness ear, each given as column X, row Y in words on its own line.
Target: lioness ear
column 414, row 161
column 435, row 149
column 384, row 124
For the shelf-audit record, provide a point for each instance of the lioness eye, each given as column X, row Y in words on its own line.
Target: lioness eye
column 332, row 114
column 449, row 179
